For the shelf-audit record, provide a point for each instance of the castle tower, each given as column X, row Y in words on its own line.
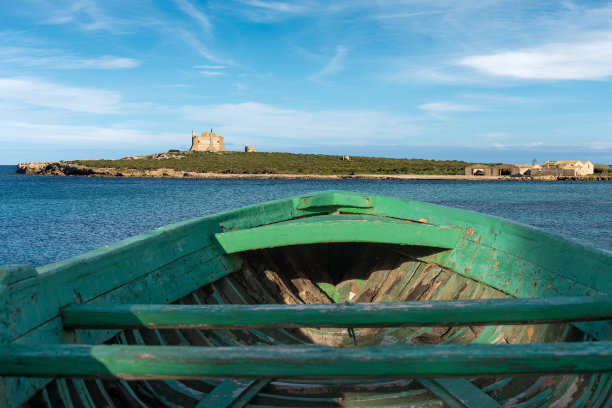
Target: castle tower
column 207, row 142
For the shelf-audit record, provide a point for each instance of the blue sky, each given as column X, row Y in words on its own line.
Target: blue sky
column 474, row 80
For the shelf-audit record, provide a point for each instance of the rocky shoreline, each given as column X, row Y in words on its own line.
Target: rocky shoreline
column 69, row 169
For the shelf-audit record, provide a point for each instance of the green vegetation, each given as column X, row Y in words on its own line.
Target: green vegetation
column 602, row 169
column 280, row 163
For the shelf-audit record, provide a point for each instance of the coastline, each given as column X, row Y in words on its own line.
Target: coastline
column 68, row 169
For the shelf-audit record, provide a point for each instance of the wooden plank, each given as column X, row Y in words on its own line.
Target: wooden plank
column 232, row 394
column 517, row 277
column 166, row 262
column 32, row 304
column 459, row 393
column 158, row 362
column 555, row 264
column 412, row 313
column 333, row 200
column 338, row 228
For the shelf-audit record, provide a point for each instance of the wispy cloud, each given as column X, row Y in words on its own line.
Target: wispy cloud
column 37, row 92
column 57, row 59
column 196, row 14
column 582, row 60
column 600, row 145
column 212, row 70
column 194, row 41
column 496, row 136
column 335, row 64
column 88, row 15
column 79, row 134
column 119, row 18
column 270, row 11
column 213, row 73
column 439, row 109
column 509, row 146
column 279, row 6
column 256, row 122
column 210, row 67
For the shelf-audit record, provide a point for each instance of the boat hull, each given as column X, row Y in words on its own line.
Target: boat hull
column 326, row 248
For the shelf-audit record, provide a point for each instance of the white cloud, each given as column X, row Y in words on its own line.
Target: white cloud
column 582, row 60
column 212, row 70
column 599, row 145
column 106, row 62
column 334, row 65
column 252, row 122
column 275, row 5
column 194, row 42
column 56, row 59
column 196, row 14
column 49, row 134
column 269, row 11
column 213, row 73
column 210, row 67
column 511, row 146
column 127, row 17
column 86, row 14
column 448, row 107
column 34, row 91
column 439, row 109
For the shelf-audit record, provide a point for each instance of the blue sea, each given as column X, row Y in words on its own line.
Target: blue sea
column 45, row 219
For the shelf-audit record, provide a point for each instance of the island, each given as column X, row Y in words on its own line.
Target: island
column 266, row 165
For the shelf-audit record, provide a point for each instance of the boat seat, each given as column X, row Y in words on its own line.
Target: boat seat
column 339, row 228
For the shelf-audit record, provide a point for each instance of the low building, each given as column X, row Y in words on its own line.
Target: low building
column 569, row 168
column 478, row 170
column 558, row 168
column 249, row 149
column 207, row 142
column 486, row 170
column 524, row 169
column 503, row 169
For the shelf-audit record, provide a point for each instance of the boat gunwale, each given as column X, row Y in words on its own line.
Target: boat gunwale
column 584, row 267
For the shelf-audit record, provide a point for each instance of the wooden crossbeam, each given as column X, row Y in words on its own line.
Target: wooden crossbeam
column 158, row 362
column 339, row 228
column 232, row 394
column 459, row 393
column 413, row 313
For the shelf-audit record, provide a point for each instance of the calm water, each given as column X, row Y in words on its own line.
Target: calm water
column 47, row 219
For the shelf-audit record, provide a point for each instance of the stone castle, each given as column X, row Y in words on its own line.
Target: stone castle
column 207, row 142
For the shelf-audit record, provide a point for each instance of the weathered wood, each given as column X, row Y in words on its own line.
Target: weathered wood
column 339, row 228
column 156, row 362
column 334, row 200
column 459, row 393
column 413, row 313
column 232, row 394
column 517, row 277
column 160, row 265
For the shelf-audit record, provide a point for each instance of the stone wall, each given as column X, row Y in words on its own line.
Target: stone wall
column 479, row 170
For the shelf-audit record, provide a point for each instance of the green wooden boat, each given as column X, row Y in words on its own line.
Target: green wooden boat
column 326, row 299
